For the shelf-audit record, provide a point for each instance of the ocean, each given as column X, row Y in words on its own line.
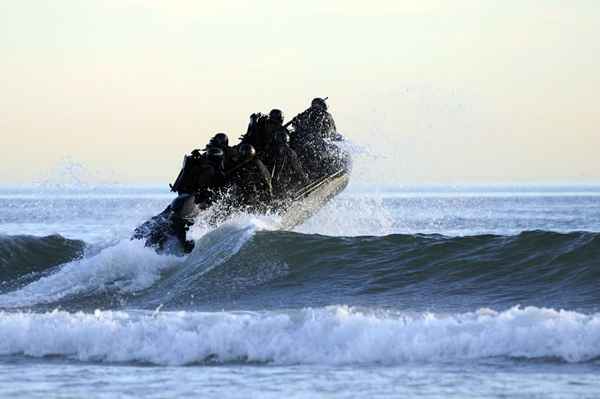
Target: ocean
column 417, row 292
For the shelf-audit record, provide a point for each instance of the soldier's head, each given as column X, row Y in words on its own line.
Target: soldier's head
column 276, row 115
column 219, row 140
column 319, row 103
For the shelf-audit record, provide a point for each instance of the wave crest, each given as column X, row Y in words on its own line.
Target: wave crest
column 239, row 265
column 333, row 335
column 24, row 254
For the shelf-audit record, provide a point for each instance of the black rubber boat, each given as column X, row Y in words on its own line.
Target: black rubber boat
column 328, row 170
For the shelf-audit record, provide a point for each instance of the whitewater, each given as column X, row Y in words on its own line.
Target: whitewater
column 428, row 291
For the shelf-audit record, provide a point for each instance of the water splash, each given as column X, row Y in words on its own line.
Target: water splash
column 126, row 267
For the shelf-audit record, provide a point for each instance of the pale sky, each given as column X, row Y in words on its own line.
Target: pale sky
column 439, row 91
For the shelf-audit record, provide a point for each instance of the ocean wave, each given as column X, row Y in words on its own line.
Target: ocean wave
column 276, row 269
column 24, row 258
column 127, row 266
column 22, row 254
column 336, row 335
column 245, row 265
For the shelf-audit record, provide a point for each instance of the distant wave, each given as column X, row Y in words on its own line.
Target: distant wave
column 335, row 335
column 22, row 254
column 239, row 266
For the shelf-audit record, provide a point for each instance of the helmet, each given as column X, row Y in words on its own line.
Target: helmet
column 246, row 151
column 219, row 140
column 276, row 115
column 195, row 153
column 319, row 103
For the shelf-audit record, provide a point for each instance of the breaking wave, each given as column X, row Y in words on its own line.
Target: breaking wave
column 24, row 254
column 125, row 267
column 25, row 258
column 334, row 335
column 243, row 265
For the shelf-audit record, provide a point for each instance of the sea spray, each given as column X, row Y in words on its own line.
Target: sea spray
column 127, row 266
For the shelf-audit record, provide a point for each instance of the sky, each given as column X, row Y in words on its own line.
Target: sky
column 429, row 92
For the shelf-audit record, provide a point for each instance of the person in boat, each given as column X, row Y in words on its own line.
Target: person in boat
column 248, row 178
column 241, row 160
column 271, row 139
column 257, row 134
column 202, row 175
column 317, row 120
column 221, row 141
column 313, row 138
column 197, row 185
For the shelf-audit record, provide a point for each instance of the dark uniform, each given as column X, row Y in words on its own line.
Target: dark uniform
column 249, row 178
column 313, row 137
column 257, row 134
column 271, row 140
column 202, row 175
column 198, row 183
column 246, row 179
column 316, row 120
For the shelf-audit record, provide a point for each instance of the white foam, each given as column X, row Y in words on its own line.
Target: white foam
column 239, row 221
column 334, row 335
column 128, row 266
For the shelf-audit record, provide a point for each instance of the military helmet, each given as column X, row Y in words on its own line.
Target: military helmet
column 276, row 115
column 246, row 151
column 319, row 103
column 219, row 140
